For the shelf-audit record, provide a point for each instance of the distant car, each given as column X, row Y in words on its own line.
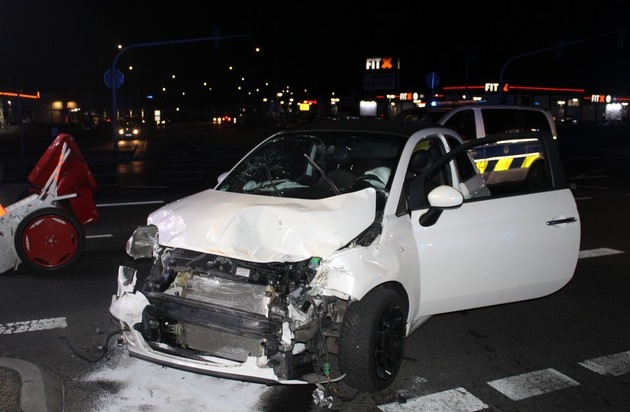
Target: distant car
column 510, row 162
column 328, row 244
column 223, row 119
column 473, row 121
column 130, row 129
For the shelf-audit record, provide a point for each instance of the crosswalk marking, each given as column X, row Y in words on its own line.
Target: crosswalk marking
column 458, row 400
column 32, row 325
column 532, row 384
column 614, row 365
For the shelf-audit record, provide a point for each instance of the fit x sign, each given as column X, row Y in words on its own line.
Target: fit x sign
column 381, row 63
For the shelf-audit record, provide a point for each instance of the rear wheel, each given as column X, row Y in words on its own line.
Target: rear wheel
column 49, row 239
column 537, row 176
column 372, row 340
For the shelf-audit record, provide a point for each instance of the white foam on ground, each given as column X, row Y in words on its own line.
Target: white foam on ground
column 152, row 388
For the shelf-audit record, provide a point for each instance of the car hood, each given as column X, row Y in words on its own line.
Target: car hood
column 264, row 228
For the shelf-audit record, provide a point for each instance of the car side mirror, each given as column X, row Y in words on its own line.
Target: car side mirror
column 221, row 177
column 440, row 198
column 445, row 197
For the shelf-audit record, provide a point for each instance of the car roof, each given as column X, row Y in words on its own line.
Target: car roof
column 366, row 125
column 444, row 108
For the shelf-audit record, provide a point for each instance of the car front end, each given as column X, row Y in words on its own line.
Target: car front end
column 253, row 307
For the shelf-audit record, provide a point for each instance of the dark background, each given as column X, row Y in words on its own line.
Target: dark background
column 66, row 46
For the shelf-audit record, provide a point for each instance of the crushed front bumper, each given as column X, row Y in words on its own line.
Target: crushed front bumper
column 206, row 338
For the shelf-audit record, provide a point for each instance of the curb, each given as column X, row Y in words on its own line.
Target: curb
column 41, row 390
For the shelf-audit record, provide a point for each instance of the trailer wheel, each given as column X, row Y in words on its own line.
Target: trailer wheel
column 49, row 239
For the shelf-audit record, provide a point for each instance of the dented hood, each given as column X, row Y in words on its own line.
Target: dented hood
column 264, row 228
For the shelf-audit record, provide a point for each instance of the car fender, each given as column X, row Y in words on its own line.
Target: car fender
column 351, row 273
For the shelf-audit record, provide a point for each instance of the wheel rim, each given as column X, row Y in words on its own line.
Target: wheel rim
column 50, row 241
column 390, row 336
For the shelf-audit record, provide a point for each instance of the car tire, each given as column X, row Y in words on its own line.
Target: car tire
column 49, row 239
column 536, row 176
column 371, row 340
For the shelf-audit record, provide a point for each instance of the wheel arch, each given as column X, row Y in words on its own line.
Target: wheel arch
column 396, row 287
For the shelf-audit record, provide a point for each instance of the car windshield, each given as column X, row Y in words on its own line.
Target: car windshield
column 316, row 165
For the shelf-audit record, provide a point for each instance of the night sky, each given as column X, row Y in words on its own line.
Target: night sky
column 66, row 46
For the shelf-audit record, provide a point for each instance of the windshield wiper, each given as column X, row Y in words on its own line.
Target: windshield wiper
column 324, row 175
column 268, row 172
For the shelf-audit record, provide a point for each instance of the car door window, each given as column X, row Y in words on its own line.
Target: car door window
column 463, row 122
column 535, row 121
column 422, row 177
column 512, row 166
column 500, row 120
column 503, row 165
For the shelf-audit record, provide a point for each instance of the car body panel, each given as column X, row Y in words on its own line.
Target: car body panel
column 500, row 249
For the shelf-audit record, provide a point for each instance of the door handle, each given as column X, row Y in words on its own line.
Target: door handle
column 560, row 221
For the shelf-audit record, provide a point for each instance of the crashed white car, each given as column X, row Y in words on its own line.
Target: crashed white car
column 327, row 245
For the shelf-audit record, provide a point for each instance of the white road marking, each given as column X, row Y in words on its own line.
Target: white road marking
column 615, row 365
column 32, row 325
column 454, row 400
column 604, row 251
column 149, row 202
column 532, row 384
column 99, row 236
column 145, row 187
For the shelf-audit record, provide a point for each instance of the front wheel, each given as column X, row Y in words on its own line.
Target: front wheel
column 49, row 239
column 372, row 340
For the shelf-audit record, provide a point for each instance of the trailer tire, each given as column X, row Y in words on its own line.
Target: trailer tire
column 49, row 239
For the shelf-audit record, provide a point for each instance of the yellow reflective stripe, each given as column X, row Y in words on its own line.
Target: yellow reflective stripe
column 481, row 165
column 503, row 164
column 529, row 160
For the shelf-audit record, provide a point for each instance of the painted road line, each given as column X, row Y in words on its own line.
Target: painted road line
column 604, row 251
column 145, row 187
column 149, row 202
column 613, row 365
column 458, row 400
column 32, row 325
column 532, row 384
column 99, row 236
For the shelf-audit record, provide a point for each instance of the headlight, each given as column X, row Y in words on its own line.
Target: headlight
column 142, row 242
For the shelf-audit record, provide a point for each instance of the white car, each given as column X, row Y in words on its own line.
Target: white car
column 327, row 245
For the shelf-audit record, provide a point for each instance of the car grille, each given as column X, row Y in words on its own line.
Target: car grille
column 218, row 343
